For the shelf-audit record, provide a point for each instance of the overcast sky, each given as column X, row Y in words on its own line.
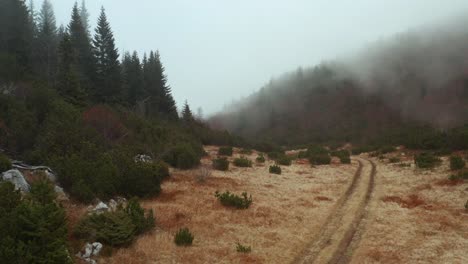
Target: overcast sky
column 215, row 51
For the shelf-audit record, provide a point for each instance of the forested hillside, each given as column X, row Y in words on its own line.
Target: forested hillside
column 411, row 89
column 69, row 100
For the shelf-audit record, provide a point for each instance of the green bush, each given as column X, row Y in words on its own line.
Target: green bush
column 284, row 160
column 183, row 237
column 111, row 228
column 275, row 169
column 386, row 149
column 343, row 155
column 5, row 163
column 315, row 150
column 230, row 199
column 456, row 163
column 426, row 160
column 345, row 160
column 242, row 162
column 461, row 175
column 320, row 159
column 116, row 228
column 182, row 156
column 302, row 154
column 225, row 151
column 394, row 160
column 221, row 164
column 274, row 155
column 246, row 151
column 260, row 158
column 362, row 149
column 141, row 221
column 243, row 249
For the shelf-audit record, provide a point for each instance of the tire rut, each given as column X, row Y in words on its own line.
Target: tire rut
column 338, row 237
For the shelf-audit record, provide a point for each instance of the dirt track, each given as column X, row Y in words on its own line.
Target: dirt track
column 344, row 226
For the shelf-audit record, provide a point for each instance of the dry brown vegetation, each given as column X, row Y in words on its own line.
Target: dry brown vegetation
column 287, row 210
column 414, row 218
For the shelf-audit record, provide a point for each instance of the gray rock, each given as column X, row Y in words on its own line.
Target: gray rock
column 143, row 158
column 96, row 248
column 100, row 208
column 16, row 177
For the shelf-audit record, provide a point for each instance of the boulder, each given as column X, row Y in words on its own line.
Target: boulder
column 90, row 250
column 143, row 158
column 16, row 177
column 101, row 207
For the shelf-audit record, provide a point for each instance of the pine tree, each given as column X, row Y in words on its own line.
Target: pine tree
column 187, row 115
column 107, row 63
column 68, row 83
column 81, row 43
column 16, row 37
column 133, row 78
column 84, row 15
column 47, row 42
column 160, row 101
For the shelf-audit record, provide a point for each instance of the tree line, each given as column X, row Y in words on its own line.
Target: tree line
column 84, row 67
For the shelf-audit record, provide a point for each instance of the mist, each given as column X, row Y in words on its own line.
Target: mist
column 418, row 75
column 215, row 52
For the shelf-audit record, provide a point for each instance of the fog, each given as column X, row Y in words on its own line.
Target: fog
column 218, row 51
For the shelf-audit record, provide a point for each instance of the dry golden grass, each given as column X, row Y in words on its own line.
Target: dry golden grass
column 416, row 216
column 287, row 210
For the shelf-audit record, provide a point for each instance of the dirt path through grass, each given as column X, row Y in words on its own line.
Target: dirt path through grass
column 343, row 227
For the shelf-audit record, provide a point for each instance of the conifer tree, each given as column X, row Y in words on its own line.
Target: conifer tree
column 81, row 43
column 160, row 101
column 84, row 15
column 68, row 83
column 187, row 115
column 16, row 39
column 133, row 78
column 47, row 42
column 107, row 63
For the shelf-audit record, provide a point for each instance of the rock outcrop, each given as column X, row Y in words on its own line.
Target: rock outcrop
column 16, row 177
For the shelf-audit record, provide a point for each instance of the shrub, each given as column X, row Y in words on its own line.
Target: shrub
column 302, row 155
column 111, row 228
column 275, row 169
column 426, row 160
column 242, row 162
column 343, row 155
column 461, row 175
column 466, row 205
column 386, row 149
column 345, row 160
column 456, row 163
column 316, row 150
column 221, row 164
column 182, row 156
column 5, row 163
column 183, row 237
column 243, row 249
column 394, row 160
column 284, row 160
column 320, row 159
column 260, row 158
column 362, row 149
column 225, row 151
column 230, row 199
column 274, row 155
column 246, row 151
column 116, row 228
column 137, row 214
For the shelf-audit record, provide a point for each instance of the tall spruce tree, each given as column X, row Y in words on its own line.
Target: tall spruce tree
column 187, row 115
column 16, row 38
column 47, row 42
column 107, row 62
column 68, row 84
column 160, row 101
column 84, row 15
column 81, row 43
column 133, row 78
